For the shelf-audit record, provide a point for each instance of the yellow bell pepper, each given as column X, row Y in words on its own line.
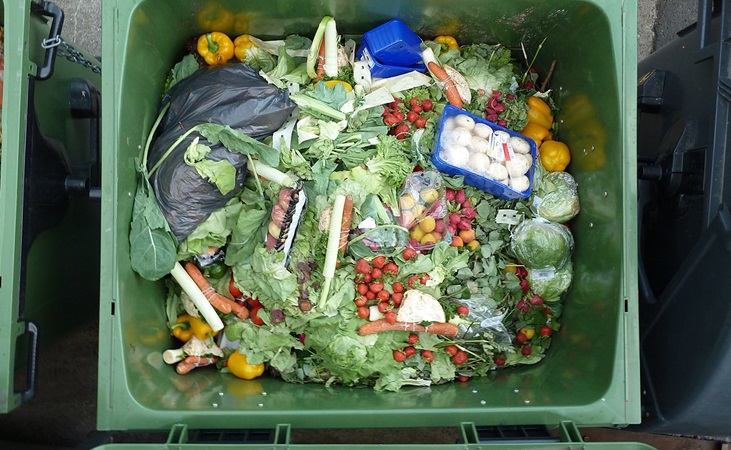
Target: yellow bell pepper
column 536, row 132
column 239, row 366
column 215, row 48
column 555, row 156
column 188, row 326
column 539, row 112
column 449, row 41
column 241, row 45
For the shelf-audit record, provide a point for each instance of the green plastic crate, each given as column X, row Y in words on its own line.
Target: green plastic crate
column 591, row 373
column 54, row 288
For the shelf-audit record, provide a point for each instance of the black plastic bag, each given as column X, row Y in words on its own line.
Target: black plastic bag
column 233, row 95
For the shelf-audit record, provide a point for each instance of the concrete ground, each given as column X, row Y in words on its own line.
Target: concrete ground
column 63, row 413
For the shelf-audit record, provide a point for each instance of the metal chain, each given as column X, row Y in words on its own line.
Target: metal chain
column 75, row 56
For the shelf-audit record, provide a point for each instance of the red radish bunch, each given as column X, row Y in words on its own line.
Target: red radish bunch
column 495, row 107
column 402, row 117
column 372, row 290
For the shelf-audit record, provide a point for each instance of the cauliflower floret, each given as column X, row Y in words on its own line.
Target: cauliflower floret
column 418, row 306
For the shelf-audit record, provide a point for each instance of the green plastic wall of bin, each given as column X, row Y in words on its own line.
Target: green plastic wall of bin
column 590, row 375
column 61, row 272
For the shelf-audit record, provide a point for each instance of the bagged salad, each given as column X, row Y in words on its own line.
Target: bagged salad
column 342, row 255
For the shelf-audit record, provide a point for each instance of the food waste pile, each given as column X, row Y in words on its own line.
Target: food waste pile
column 330, row 211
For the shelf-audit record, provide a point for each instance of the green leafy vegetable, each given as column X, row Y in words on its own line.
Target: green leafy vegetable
column 553, row 284
column 557, row 199
column 221, row 173
column 538, row 244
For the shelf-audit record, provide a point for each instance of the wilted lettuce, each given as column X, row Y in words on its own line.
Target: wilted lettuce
column 539, row 244
column 557, row 197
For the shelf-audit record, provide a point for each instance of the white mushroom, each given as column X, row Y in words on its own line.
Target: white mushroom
column 497, row 172
column 520, row 184
column 461, row 136
column 482, row 130
column 520, row 145
column 465, row 121
column 479, row 162
column 456, row 155
column 480, row 145
column 517, row 166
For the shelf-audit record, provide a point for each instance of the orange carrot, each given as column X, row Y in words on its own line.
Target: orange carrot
column 321, row 61
column 218, row 301
column 378, row 326
column 450, row 89
column 347, row 221
column 191, row 362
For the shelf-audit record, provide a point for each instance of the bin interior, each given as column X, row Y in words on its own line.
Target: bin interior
column 590, row 373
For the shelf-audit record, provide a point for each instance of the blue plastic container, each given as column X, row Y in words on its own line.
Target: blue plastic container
column 394, row 44
column 473, row 178
column 380, row 70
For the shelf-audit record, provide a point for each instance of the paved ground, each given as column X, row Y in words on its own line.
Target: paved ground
column 64, row 411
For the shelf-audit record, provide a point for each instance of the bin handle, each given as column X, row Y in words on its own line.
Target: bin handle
column 29, row 392
column 49, row 9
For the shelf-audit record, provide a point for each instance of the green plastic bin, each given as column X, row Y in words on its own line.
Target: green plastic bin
column 49, row 225
column 590, row 375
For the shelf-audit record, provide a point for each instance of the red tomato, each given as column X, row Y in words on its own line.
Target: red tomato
column 370, row 295
column 397, row 297
column 546, row 330
column 399, row 356
column 460, row 357
column 254, row 316
column 391, row 268
column 428, row 355
column 383, row 307
column 363, row 312
column 362, row 266
column 379, row 261
column 391, row 317
column 451, row 349
column 236, row 292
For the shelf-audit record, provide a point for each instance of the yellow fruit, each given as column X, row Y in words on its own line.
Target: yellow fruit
column 474, row 245
column 467, row 235
column 417, row 233
column 333, row 83
column 418, row 210
column 528, row 332
column 427, row 224
column 428, row 239
column 407, row 202
column 429, row 195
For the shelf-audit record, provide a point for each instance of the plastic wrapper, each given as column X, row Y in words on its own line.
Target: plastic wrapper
column 483, row 319
column 551, row 284
column 557, row 199
column 233, row 95
column 541, row 244
column 285, row 217
column 423, row 207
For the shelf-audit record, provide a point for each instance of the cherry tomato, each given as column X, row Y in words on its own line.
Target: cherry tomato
column 383, row 307
column 397, row 297
column 367, row 278
column 460, row 357
column 413, row 279
column 254, row 316
column 391, row 269
column 391, row 317
column 451, row 349
column 376, row 287
column 399, row 356
column 409, row 253
column 236, row 292
column 362, row 266
column 370, row 295
column 424, row 278
column 428, row 355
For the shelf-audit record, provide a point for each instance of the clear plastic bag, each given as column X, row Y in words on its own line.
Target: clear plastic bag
column 484, row 318
column 423, row 207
